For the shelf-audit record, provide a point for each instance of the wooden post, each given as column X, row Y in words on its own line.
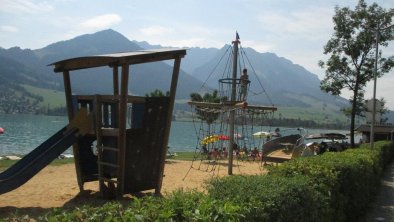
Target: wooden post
column 70, row 112
column 115, row 79
column 122, row 128
column 67, row 92
column 99, row 141
column 232, row 112
column 174, row 82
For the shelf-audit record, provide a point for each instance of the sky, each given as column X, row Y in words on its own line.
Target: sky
column 294, row 29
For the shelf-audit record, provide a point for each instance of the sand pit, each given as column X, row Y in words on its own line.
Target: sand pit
column 56, row 186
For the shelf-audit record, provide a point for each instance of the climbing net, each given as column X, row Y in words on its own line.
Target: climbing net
column 212, row 119
column 211, row 125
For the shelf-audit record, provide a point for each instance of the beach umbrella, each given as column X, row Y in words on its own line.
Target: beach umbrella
column 209, row 139
column 223, row 137
column 262, row 134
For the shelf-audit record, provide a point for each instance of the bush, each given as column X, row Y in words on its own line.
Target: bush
column 271, row 198
column 352, row 177
column 330, row 187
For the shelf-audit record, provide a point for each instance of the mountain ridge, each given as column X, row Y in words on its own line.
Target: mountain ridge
column 285, row 82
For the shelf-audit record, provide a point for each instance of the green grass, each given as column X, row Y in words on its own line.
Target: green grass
column 184, row 156
column 52, row 98
column 4, row 164
column 316, row 114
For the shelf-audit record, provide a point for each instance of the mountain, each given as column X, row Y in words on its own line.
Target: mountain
column 273, row 79
column 198, row 57
column 24, row 67
column 103, row 42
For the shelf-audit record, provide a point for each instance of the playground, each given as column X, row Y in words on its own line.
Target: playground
column 56, row 186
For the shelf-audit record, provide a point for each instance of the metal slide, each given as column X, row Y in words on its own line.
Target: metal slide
column 44, row 154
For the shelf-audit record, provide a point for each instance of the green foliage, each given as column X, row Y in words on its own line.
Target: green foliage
column 330, row 187
column 16, row 98
column 351, row 177
column 178, row 206
column 4, row 164
column 383, row 111
column 208, row 116
column 185, row 156
column 352, row 51
column 272, row 198
column 157, row 93
column 51, row 98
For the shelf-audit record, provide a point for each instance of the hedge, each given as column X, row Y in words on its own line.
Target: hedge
column 336, row 186
column 328, row 187
column 356, row 172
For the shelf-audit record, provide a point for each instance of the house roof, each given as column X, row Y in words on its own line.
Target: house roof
column 377, row 128
column 118, row 59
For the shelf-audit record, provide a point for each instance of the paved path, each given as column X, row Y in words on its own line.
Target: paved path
column 383, row 208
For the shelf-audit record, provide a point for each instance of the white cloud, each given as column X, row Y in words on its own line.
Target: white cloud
column 6, row 28
column 313, row 21
column 177, row 36
column 260, row 47
column 25, row 6
column 101, row 21
column 309, row 23
column 155, row 30
column 192, row 42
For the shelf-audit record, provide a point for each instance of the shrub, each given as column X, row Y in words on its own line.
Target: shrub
column 330, row 187
column 271, row 198
column 352, row 177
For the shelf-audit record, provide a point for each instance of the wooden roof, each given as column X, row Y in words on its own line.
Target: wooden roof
column 377, row 128
column 118, row 59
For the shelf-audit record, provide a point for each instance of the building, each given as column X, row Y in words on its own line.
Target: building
column 382, row 132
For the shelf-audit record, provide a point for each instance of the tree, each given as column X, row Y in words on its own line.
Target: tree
column 382, row 111
column 352, row 52
column 157, row 93
column 360, row 106
column 206, row 115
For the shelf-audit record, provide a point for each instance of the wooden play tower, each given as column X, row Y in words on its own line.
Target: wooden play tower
column 124, row 159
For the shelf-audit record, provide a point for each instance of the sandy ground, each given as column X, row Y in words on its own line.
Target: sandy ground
column 56, row 186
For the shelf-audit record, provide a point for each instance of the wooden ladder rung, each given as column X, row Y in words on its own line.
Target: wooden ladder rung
column 110, row 131
column 108, row 148
column 108, row 164
column 108, row 180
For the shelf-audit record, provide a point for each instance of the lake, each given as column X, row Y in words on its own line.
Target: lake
column 23, row 133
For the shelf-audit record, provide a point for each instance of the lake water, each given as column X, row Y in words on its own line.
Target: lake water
column 23, row 133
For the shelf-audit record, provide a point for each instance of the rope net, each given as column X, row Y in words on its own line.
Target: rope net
column 211, row 119
column 212, row 133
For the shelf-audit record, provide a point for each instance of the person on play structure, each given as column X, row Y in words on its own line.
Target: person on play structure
column 244, row 81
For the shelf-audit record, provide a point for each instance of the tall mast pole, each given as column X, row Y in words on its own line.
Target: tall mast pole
column 233, row 101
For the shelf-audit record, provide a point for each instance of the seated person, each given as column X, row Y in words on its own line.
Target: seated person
column 224, row 152
column 255, row 153
column 215, row 154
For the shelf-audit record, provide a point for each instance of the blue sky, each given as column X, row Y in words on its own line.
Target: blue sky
column 296, row 30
